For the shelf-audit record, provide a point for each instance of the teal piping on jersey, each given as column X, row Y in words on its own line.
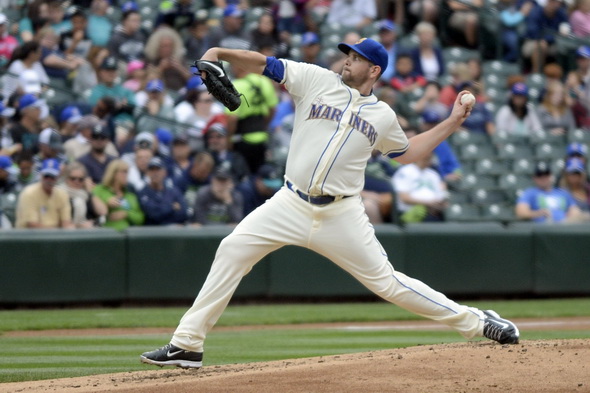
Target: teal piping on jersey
column 330, row 141
column 349, row 134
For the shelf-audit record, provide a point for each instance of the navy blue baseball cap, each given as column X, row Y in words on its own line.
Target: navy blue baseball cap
column 370, row 50
column 520, row 89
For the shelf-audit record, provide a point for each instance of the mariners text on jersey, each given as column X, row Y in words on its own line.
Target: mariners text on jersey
column 322, row 111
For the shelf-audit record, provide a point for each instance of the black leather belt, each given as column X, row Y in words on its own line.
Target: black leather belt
column 314, row 200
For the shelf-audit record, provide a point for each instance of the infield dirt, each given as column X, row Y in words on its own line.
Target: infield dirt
column 559, row 366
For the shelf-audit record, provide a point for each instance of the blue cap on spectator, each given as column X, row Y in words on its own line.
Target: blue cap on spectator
column 30, row 100
column 577, row 149
column 388, row 25
column 194, row 82
column 129, row 6
column 50, row 167
column 6, row 111
column 70, row 114
column 5, row 162
column 574, row 165
column 155, row 85
column 164, row 136
column 233, row 10
column 520, row 89
column 370, row 50
column 583, row 51
column 430, row 116
column 310, row 38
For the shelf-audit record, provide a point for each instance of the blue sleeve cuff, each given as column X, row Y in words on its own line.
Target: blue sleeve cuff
column 275, row 69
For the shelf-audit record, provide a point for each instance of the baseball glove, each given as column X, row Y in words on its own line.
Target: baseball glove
column 218, row 84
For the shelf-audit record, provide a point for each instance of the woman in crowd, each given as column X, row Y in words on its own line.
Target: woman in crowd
column 555, row 113
column 87, row 209
column 123, row 206
column 164, row 52
column 428, row 60
column 518, row 116
column 575, row 181
column 25, row 73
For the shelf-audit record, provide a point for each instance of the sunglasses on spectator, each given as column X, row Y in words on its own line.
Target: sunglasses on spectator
column 99, row 137
column 78, row 179
column 47, row 176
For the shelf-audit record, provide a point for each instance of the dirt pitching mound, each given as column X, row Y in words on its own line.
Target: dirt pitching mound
column 531, row 366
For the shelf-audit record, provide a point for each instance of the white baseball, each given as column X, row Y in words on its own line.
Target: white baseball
column 468, row 99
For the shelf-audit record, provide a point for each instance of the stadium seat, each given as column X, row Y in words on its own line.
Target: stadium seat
column 471, row 181
column 482, row 196
column 542, row 136
column 514, row 151
column 579, row 135
column 502, row 137
column 548, row 151
column 498, row 212
column 460, row 197
column 523, row 166
column 513, row 181
column 466, row 137
column 472, row 151
column 459, row 55
column 459, row 212
column 500, row 67
column 489, row 166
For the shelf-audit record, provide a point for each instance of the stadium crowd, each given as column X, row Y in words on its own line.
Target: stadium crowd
column 103, row 123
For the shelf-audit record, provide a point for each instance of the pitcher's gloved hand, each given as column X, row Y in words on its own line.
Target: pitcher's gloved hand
column 218, row 84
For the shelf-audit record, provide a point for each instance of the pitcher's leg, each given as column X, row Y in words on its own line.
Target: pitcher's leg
column 268, row 228
column 348, row 239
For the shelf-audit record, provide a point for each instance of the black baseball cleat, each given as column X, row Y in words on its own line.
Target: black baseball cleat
column 499, row 329
column 171, row 355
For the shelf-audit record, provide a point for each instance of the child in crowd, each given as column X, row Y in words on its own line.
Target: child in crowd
column 405, row 79
column 136, row 75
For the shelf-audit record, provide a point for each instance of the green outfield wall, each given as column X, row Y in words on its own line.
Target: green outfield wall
column 167, row 263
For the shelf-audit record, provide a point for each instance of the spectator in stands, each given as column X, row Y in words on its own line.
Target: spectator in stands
column 219, row 203
column 575, row 181
column 578, row 86
column 555, row 112
column 421, row 192
column 197, row 109
column 25, row 133
column 403, row 108
column 107, row 87
column 123, row 207
column 518, row 116
column 248, row 125
column 128, row 40
column 80, row 144
column 481, row 120
column 197, row 176
column 154, row 101
column 76, row 42
column 8, row 193
column 579, row 18
column 164, row 142
column 405, row 79
column 25, row 73
column 428, row 60
column 218, row 145
column 88, row 210
column 388, row 38
column 136, row 76
column 164, row 52
column 542, row 25
column 464, row 18
column 97, row 159
column 163, row 204
column 8, row 43
column 230, row 34
column 512, row 16
column 460, row 74
column 137, row 177
column 377, row 193
column 68, row 118
column 180, row 160
column 261, row 186
column 56, row 14
column 265, row 35
column 7, row 148
column 310, row 49
column 25, row 174
column 177, row 15
column 50, row 146
column 37, row 14
column 100, row 27
column 430, row 100
column 421, row 10
column 198, row 40
column 355, row 14
column 41, row 204
column 143, row 140
column 544, row 203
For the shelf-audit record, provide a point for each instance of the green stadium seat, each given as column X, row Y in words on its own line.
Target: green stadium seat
column 514, row 151
column 482, row 196
column 498, row 212
column 513, row 181
column 548, row 151
column 579, row 135
column 523, row 166
column 472, row 151
column 472, row 181
column 466, row 137
column 500, row 67
column 489, row 166
column 460, row 197
column 502, row 137
column 460, row 212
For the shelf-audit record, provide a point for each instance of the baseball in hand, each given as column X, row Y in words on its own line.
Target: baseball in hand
column 468, row 99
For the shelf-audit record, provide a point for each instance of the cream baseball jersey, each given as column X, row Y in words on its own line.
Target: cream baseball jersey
column 336, row 128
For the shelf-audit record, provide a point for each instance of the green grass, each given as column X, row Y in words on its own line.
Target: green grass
column 33, row 358
column 269, row 314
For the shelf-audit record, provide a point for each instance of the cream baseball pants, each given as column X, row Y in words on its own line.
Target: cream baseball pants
column 341, row 232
